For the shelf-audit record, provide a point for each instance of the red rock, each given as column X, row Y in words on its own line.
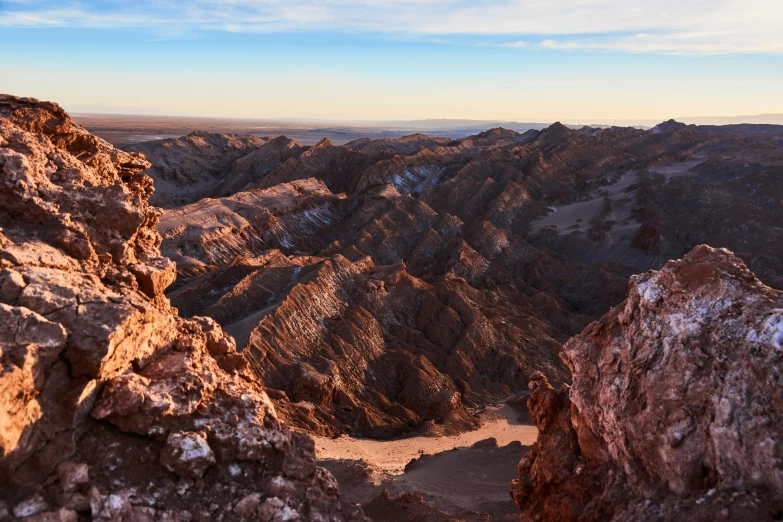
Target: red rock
column 187, row 454
column 30, row 345
column 11, row 285
column 671, row 410
column 100, row 371
column 73, row 475
column 248, row 505
column 74, row 501
column 155, row 276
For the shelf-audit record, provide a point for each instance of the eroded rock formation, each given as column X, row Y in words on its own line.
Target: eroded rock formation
column 472, row 260
column 114, row 407
column 377, row 288
column 203, row 164
column 675, row 409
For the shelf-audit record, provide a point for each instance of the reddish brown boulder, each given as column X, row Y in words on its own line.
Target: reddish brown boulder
column 73, row 475
column 187, row 454
column 155, row 276
column 675, row 409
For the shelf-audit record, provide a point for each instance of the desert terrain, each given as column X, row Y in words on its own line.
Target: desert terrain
column 390, row 288
column 391, row 456
column 123, row 129
column 223, row 326
column 456, row 474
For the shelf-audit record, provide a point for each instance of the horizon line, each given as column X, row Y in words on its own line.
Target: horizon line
column 305, row 119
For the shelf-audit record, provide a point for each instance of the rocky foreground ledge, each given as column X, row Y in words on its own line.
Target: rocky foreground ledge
column 113, row 407
column 676, row 407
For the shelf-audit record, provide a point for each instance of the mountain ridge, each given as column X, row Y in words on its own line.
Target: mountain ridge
column 425, row 221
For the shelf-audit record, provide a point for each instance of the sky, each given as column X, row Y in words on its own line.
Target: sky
column 505, row 60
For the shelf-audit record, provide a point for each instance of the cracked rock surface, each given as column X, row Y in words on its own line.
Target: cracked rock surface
column 675, row 410
column 114, row 407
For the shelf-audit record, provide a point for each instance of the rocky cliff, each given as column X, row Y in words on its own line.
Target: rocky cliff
column 114, row 407
column 675, row 410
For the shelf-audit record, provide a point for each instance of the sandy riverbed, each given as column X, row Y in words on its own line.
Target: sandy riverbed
column 391, row 456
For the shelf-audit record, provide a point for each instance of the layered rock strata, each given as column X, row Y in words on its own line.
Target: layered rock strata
column 473, row 260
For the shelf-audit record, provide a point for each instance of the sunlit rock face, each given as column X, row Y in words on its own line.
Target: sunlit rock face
column 114, row 407
column 674, row 412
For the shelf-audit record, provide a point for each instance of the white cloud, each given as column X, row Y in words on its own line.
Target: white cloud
column 663, row 26
column 693, row 43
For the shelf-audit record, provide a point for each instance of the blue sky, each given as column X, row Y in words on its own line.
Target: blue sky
column 523, row 60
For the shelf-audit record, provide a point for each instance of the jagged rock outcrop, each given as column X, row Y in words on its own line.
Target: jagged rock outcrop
column 114, row 407
column 675, row 410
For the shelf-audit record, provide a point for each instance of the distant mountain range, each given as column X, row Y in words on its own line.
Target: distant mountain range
column 451, row 124
column 122, row 130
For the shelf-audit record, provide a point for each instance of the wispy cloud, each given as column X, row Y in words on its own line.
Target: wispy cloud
column 690, row 43
column 663, row 26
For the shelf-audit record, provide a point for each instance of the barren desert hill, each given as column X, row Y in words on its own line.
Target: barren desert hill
column 392, row 285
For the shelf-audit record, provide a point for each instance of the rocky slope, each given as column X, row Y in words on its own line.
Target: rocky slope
column 203, row 164
column 675, row 410
column 114, row 407
column 471, row 260
column 358, row 342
